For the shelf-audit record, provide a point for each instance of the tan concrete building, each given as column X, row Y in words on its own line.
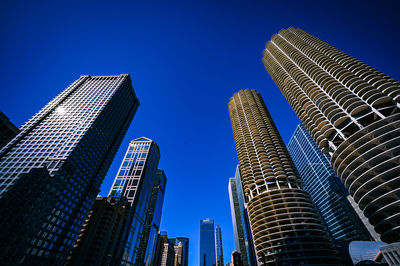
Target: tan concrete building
column 100, row 234
column 352, row 111
column 286, row 227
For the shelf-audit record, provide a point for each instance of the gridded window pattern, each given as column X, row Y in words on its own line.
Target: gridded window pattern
column 131, row 170
column 325, row 188
column 134, row 182
column 67, row 148
column 285, row 224
column 352, row 111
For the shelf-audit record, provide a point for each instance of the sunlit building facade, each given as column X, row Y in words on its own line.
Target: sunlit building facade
column 285, row 224
column 325, row 188
column 241, row 229
column 185, row 247
column 207, row 243
column 134, row 182
column 352, row 111
column 51, row 172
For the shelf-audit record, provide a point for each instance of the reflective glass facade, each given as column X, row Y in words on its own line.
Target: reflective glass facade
column 134, row 182
column 240, row 220
column 219, row 250
column 148, row 241
column 207, row 243
column 51, row 172
column 325, row 188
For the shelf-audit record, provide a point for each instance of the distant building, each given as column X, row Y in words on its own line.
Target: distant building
column 240, row 221
column 100, row 234
column 165, row 253
column 185, row 248
column 7, row 130
column 236, row 259
column 325, row 188
column 178, row 254
column 207, row 243
column 52, row 170
column 219, row 250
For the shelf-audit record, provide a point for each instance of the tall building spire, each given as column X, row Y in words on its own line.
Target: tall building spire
column 352, row 111
column 285, row 224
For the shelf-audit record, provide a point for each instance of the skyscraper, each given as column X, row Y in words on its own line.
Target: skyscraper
column 241, row 229
column 165, row 252
column 325, row 188
column 352, row 111
column 178, row 254
column 285, row 224
column 153, row 219
column 51, row 172
column 219, row 250
column 134, row 182
column 207, row 243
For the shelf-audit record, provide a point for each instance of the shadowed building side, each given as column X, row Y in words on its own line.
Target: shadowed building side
column 52, row 170
column 7, row 130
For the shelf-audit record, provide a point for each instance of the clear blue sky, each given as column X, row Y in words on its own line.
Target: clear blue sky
column 186, row 60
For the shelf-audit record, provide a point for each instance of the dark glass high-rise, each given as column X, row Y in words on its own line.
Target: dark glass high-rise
column 207, row 243
column 51, row 172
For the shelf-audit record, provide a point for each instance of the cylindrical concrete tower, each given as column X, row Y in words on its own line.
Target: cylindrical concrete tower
column 285, row 224
column 353, row 112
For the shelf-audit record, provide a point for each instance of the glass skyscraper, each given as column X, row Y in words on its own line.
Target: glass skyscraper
column 134, row 182
column 207, row 243
column 325, row 188
column 240, row 221
column 51, row 172
column 148, row 243
column 219, row 249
